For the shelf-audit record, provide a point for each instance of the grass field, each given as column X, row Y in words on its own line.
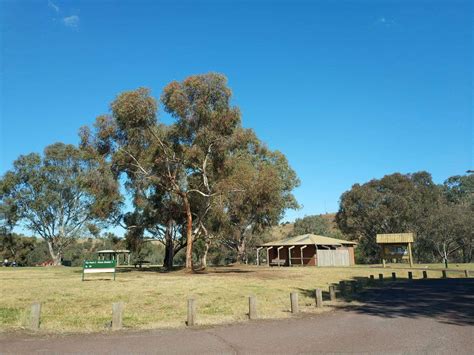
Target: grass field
column 158, row 300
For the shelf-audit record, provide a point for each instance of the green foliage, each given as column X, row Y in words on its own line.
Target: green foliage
column 58, row 195
column 201, row 178
column 440, row 216
column 184, row 177
column 311, row 224
column 17, row 248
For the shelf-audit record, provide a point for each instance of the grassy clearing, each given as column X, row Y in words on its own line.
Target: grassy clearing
column 158, row 300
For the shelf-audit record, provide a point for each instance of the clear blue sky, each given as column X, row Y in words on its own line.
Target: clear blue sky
column 348, row 90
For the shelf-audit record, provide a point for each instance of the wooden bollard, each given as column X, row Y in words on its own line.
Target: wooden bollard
column 318, row 293
column 425, row 274
column 294, row 302
column 410, row 275
column 117, row 315
column 35, row 316
column 332, row 293
column 191, row 312
column 381, row 277
column 394, row 276
column 252, row 307
column 466, row 273
column 445, row 274
column 342, row 287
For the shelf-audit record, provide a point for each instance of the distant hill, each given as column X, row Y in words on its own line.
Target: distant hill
column 283, row 230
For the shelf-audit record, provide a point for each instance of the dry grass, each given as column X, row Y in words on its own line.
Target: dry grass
column 158, row 300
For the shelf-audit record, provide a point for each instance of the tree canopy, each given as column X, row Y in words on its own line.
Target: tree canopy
column 59, row 195
column 184, row 175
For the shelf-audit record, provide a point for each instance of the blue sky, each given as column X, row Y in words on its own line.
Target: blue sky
column 348, row 90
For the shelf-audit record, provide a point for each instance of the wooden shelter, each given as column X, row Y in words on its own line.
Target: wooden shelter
column 396, row 246
column 115, row 255
column 308, row 249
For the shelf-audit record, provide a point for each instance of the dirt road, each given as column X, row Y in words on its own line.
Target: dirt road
column 426, row 316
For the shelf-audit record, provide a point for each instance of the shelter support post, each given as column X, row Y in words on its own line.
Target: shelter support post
column 268, row 256
column 289, row 254
column 410, row 256
column 301, row 253
column 258, row 255
column 315, row 254
column 278, row 255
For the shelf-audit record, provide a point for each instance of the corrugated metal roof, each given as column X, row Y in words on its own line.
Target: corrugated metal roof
column 308, row 239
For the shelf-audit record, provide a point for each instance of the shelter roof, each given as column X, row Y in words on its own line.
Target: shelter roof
column 309, row 239
column 394, row 238
column 112, row 251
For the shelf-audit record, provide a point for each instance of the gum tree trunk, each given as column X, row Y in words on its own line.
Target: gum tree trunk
column 189, row 233
column 55, row 256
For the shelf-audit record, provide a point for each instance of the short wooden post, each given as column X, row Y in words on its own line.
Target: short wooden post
column 294, row 302
column 117, row 315
column 466, row 273
column 394, row 276
column 445, row 274
column 318, row 293
column 425, row 274
column 252, row 307
column 342, row 287
column 191, row 312
column 383, row 263
column 410, row 275
column 258, row 255
column 381, row 277
column 35, row 316
column 332, row 293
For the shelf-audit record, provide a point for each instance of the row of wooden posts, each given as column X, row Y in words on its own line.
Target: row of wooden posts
column 355, row 286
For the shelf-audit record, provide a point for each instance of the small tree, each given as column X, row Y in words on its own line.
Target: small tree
column 446, row 229
column 59, row 195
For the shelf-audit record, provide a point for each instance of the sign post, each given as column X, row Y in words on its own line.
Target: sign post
column 98, row 266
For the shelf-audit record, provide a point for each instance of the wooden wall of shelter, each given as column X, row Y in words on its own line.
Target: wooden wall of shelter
column 302, row 255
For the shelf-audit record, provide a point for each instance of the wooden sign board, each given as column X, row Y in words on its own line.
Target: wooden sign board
column 400, row 240
column 395, row 238
column 98, row 266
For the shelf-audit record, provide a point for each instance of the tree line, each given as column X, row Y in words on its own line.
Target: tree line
column 441, row 216
column 203, row 184
column 202, row 178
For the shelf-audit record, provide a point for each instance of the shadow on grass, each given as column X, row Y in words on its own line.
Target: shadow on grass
column 450, row 301
column 310, row 293
column 217, row 271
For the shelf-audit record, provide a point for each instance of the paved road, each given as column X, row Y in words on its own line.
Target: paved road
column 427, row 316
